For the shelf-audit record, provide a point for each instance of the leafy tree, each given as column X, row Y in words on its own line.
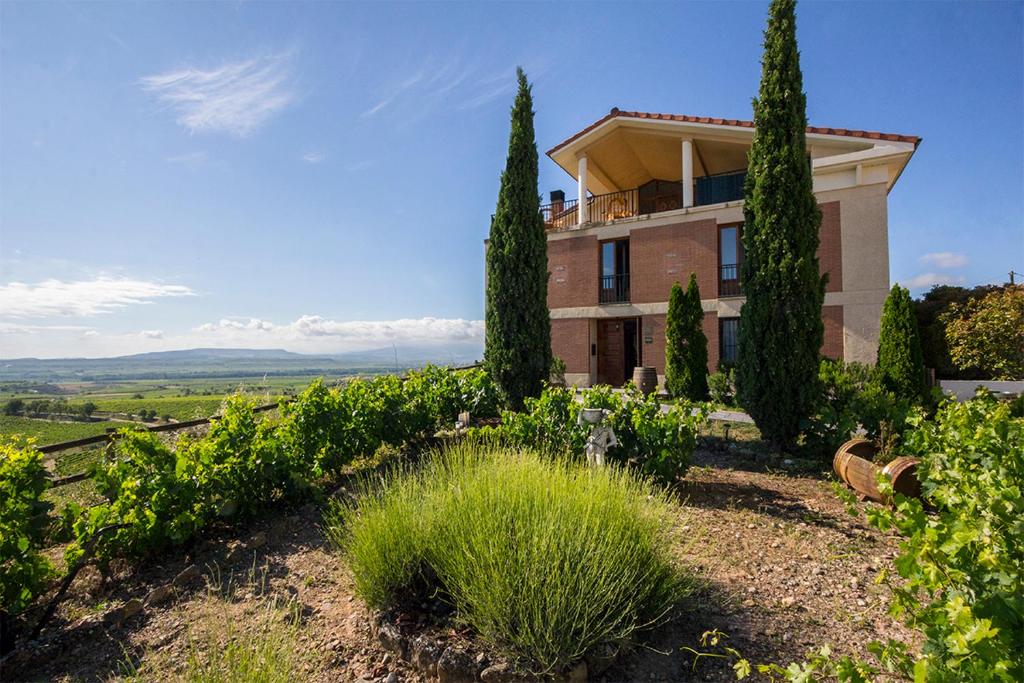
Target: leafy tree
column 781, row 330
column 686, row 347
column 900, row 363
column 87, row 408
column 15, row 406
column 929, row 310
column 518, row 327
column 988, row 334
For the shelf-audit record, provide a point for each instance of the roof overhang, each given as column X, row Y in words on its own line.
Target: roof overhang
column 625, row 149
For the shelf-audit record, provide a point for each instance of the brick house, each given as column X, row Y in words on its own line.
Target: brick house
column 660, row 196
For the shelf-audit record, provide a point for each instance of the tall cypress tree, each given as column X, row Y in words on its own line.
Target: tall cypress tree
column 686, row 347
column 900, row 360
column 517, row 349
column 781, row 329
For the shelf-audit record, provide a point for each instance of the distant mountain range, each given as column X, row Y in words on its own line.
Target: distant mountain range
column 212, row 363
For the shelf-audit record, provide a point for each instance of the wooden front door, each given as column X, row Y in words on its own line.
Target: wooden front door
column 618, row 350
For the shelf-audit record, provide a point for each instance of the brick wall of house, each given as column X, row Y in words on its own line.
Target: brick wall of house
column 573, row 267
column 653, row 327
column 833, row 344
column 570, row 341
column 830, row 247
column 660, row 256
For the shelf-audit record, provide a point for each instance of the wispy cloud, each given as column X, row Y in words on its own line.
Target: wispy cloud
column 490, row 88
column 81, row 298
column 454, row 83
column 152, row 334
column 926, row 280
column 314, row 157
column 237, row 97
column 945, row 259
column 187, row 159
column 355, row 166
column 395, row 92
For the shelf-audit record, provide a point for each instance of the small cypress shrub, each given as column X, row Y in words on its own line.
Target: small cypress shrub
column 900, row 360
column 686, row 347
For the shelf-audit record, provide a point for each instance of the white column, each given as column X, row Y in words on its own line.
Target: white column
column 581, row 174
column 687, row 173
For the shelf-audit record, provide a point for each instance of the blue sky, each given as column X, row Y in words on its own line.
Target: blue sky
column 320, row 176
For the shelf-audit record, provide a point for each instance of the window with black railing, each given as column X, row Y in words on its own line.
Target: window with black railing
column 730, row 255
column 729, row 280
column 614, row 283
column 614, row 289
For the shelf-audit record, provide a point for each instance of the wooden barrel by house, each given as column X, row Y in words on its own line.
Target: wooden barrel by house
column 903, row 473
column 853, row 465
column 646, row 379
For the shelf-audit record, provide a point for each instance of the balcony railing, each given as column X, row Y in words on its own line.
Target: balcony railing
column 663, row 196
column 614, row 289
column 729, row 280
column 560, row 214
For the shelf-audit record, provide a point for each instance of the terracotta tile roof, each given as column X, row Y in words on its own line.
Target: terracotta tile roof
column 616, row 113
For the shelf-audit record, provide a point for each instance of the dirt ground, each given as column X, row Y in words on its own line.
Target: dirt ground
column 784, row 570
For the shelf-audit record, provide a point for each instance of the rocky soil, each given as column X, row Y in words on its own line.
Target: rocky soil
column 783, row 569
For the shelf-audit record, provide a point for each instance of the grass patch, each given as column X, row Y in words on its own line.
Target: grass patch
column 224, row 645
column 51, row 431
column 546, row 559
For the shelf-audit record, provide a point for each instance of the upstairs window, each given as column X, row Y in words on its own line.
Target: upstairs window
column 730, row 256
column 614, row 272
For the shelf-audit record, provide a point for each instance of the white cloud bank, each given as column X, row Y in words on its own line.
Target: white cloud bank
column 307, row 334
column 237, row 97
column 345, row 334
column 82, row 298
column 927, row 280
column 945, row 259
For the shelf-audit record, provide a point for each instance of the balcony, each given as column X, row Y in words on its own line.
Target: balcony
column 614, row 289
column 656, row 196
column 729, row 280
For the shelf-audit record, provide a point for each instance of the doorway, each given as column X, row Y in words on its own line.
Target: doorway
column 618, row 350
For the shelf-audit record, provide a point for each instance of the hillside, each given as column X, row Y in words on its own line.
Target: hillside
column 200, row 363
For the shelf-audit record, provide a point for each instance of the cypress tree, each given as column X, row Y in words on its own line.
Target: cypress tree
column 900, row 359
column 686, row 347
column 517, row 345
column 781, row 329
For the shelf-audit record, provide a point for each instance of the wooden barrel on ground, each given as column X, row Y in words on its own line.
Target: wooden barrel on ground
column 853, row 465
column 861, row 448
column 646, row 379
column 903, row 473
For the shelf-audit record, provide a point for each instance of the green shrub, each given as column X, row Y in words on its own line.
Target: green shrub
column 722, row 386
column 24, row 572
column 686, row 347
column 547, row 559
column 660, row 443
column 851, row 398
column 165, row 495
column 900, row 360
column 962, row 564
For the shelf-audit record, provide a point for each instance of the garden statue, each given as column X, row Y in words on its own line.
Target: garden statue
column 601, row 436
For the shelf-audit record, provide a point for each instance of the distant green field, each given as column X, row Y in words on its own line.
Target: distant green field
column 46, row 431
column 179, row 408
